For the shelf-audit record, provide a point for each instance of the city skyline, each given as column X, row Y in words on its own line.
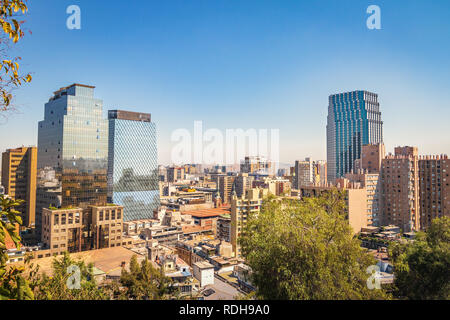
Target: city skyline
column 273, row 69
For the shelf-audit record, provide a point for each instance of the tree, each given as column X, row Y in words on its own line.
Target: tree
column 12, row 282
column 9, row 66
column 422, row 268
column 306, row 250
column 66, row 270
column 145, row 282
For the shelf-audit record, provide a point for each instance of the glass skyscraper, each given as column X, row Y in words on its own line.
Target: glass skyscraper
column 72, row 156
column 133, row 164
column 354, row 120
column 73, row 148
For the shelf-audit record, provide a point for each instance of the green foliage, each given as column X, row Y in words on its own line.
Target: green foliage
column 422, row 267
column 56, row 287
column 12, row 282
column 9, row 67
column 145, row 282
column 306, row 250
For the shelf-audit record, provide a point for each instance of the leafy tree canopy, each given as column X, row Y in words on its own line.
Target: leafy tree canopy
column 422, row 268
column 306, row 250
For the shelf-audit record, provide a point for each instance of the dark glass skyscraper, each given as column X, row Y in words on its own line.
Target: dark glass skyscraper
column 133, row 164
column 354, row 120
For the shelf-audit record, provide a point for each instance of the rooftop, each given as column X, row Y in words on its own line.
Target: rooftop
column 204, row 265
column 208, row 213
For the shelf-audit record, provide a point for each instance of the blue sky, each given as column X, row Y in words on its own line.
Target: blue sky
column 243, row 64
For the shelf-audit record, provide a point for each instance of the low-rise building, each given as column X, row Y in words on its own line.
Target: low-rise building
column 204, row 272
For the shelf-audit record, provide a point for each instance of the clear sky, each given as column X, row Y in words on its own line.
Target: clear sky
column 243, row 64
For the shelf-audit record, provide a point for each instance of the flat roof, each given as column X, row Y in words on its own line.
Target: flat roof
column 207, row 213
column 73, row 85
column 107, row 260
column 129, row 115
column 204, row 265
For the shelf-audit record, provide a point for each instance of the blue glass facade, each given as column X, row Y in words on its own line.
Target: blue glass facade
column 73, row 148
column 133, row 164
column 354, row 120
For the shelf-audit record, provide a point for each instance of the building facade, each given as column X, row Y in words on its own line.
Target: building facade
column 304, row 173
column 19, row 180
column 241, row 208
column 434, row 188
column 73, row 146
column 62, row 229
column 400, row 189
column 354, row 120
column 256, row 164
column 372, row 184
column 371, row 157
column 133, row 164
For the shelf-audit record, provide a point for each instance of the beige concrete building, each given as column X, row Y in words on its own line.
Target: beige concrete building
column 400, row 189
column 243, row 182
column 19, row 173
column 77, row 229
column 225, row 184
column 434, row 188
column 241, row 208
column 371, row 157
column 304, row 173
column 320, row 173
column 372, row 184
column 356, row 201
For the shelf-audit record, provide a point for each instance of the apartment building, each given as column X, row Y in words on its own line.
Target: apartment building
column 400, row 189
column 243, row 182
column 434, row 188
column 241, row 208
column 372, row 184
column 356, row 197
column 175, row 174
column 19, row 174
column 225, row 185
column 372, row 156
column 304, row 173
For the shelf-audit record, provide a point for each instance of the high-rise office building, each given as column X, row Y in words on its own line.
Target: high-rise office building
column 72, row 153
column 19, row 180
column 354, row 120
column 133, row 164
